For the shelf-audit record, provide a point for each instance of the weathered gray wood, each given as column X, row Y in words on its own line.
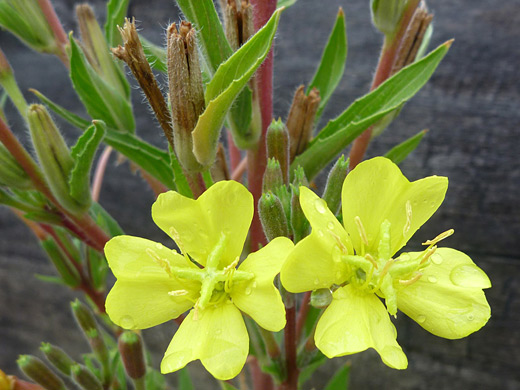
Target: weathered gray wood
column 471, row 107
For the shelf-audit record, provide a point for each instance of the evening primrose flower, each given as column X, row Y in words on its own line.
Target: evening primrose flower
column 156, row 284
column 439, row 288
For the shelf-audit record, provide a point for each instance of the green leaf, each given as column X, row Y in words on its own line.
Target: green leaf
column 51, row 279
column 83, row 155
column 228, row 81
column 399, row 152
column 184, row 378
column 306, row 373
column 70, row 117
column 332, row 65
column 155, row 55
column 367, row 110
column 181, row 183
column 105, row 220
column 226, row 386
column 154, row 380
column 340, row 380
column 100, row 99
column 212, row 39
column 64, row 267
column 116, row 12
column 285, row 3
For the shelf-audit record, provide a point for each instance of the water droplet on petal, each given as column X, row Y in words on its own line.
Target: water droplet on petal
column 421, row 319
column 316, row 281
column 432, row 279
column 127, row 322
column 319, row 204
column 218, row 331
column 158, row 246
column 436, row 258
column 471, row 317
column 254, row 284
column 248, row 291
column 330, row 225
column 469, row 275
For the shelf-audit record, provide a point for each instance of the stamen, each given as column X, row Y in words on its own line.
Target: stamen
column 232, row 266
column 361, row 230
column 408, row 223
column 177, row 238
column 430, row 251
column 370, row 258
column 440, row 237
column 410, row 281
column 178, row 293
column 341, row 246
column 161, row 262
column 386, row 268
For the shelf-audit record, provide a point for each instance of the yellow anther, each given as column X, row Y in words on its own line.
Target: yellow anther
column 440, row 237
column 177, row 238
column 430, row 251
column 161, row 262
column 232, row 266
column 370, row 258
column 386, row 268
column 341, row 246
column 361, row 230
column 177, row 293
column 408, row 223
column 411, row 281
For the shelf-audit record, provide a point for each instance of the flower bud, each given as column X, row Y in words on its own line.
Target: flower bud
column 332, row 193
column 386, row 14
column 35, row 369
column 277, row 140
column 299, row 178
column 186, row 91
column 96, row 49
column 321, row 298
column 88, row 324
column 272, row 216
column 299, row 223
column 85, row 378
column 131, row 350
column 300, row 121
column 57, row 357
column 54, row 157
column 272, row 176
column 11, row 173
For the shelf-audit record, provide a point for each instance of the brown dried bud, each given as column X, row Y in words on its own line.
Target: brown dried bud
column 186, row 91
column 413, row 38
column 238, row 18
column 300, row 121
column 133, row 55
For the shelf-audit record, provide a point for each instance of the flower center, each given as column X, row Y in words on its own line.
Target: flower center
column 380, row 273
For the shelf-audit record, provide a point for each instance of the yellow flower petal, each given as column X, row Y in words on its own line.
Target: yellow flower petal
column 354, row 322
column 143, row 304
column 312, row 265
column 448, row 300
column 197, row 225
column 259, row 298
column 218, row 338
column 377, row 190
column 137, row 258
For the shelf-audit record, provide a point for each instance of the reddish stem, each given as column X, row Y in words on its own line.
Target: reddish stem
column 302, row 314
column 291, row 382
column 57, row 29
column 239, row 170
column 263, row 9
column 384, row 70
column 100, row 173
column 261, row 381
column 234, row 153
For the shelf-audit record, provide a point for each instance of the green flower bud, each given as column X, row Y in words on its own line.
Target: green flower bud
column 85, row 378
column 272, row 176
column 272, row 216
column 299, row 178
column 54, row 157
column 321, row 298
column 186, row 91
column 131, row 350
column 299, row 223
column 277, row 140
column 11, row 173
column 386, row 14
column 332, row 193
column 57, row 357
column 35, row 369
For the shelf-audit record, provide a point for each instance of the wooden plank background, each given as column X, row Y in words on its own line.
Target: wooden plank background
column 471, row 107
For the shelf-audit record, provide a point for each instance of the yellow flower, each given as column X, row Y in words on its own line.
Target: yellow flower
column 439, row 288
column 156, row 284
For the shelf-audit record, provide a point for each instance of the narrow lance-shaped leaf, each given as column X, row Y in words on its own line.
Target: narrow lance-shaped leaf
column 153, row 160
column 83, row 155
column 285, row 3
column 155, row 55
column 228, row 81
column 332, row 64
column 365, row 111
column 340, row 380
column 399, row 152
column 101, row 100
column 216, row 49
column 184, row 381
column 116, row 12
